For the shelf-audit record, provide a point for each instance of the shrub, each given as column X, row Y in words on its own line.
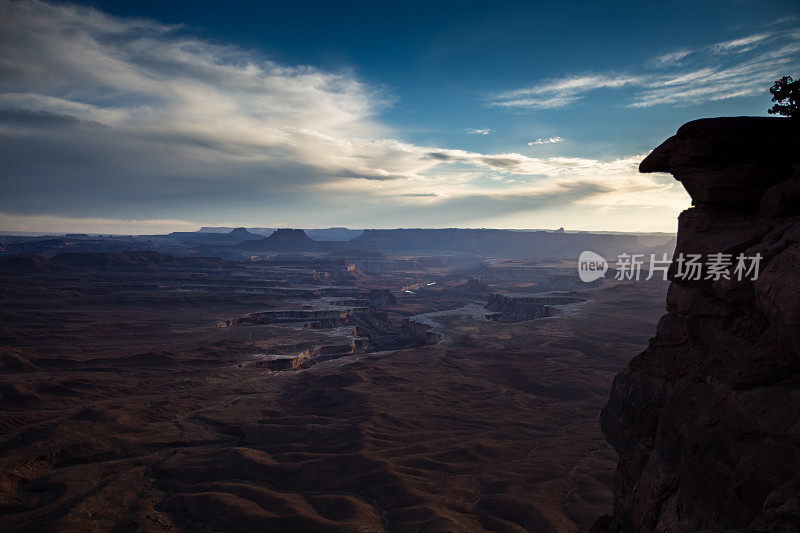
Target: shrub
column 786, row 92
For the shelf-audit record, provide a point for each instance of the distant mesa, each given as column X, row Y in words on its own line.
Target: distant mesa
column 489, row 242
column 475, row 286
column 234, row 236
column 333, row 234
column 243, row 233
column 355, row 245
column 336, row 233
column 289, row 235
column 260, row 232
column 283, row 239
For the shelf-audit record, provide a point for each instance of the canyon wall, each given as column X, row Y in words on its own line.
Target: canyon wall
column 493, row 242
column 706, row 420
column 421, row 331
column 517, row 308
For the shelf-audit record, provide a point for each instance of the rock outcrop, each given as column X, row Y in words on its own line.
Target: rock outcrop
column 706, row 420
column 474, row 286
column 518, row 308
column 421, row 330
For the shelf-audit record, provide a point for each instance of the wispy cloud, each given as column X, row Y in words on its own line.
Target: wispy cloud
column 482, row 131
column 558, row 93
column 739, row 67
column 573, row 85
column 548, row 140
column 749, row 76
column 742, row 44
column 782, row 20
column 671, row 59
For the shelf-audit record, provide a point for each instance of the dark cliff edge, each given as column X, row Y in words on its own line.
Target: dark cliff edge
column 706, row 420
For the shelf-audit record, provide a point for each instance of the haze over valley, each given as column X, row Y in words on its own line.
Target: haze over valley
column 409, row 267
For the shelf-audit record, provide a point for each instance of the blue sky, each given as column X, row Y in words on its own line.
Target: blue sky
column 153, row 116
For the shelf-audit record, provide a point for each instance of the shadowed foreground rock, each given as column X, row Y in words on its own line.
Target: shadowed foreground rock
column 706, row 420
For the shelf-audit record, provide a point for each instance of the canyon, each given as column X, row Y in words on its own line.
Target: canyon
column 326, row 390
column 268, row 380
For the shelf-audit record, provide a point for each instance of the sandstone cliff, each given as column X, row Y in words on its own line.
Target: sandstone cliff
column 706, row 420
column 520, row 307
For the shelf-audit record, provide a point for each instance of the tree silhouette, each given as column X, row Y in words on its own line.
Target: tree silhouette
column 786, row 92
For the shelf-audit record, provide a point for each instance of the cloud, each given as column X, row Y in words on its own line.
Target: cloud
column 554, row 102
column 558, row 93
column 605, row 183
column 129, row 121
column 32, row 120
column 742, row 44
column 572, row 85
column 744, row 66
column 548, row 140
column 153, row 84
column 671, row 59
column 483, row 131
column 749, row 76
column 782, row 20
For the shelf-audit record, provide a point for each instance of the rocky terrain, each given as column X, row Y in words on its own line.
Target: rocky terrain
column 142, row 391
column 706, row 420
column 420, row 247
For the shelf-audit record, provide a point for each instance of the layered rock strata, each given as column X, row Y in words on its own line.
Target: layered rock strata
column 517, row 308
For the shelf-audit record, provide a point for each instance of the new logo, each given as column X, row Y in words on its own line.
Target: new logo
column 591, row 266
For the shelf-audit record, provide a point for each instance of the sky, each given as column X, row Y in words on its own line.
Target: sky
column 152, row 116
